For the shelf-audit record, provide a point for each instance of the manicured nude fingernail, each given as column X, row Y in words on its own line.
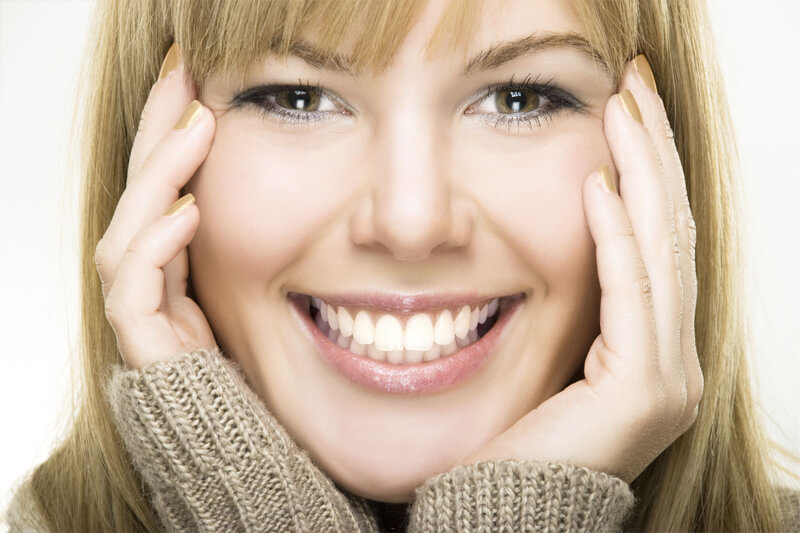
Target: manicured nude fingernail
column 630, row 106
column 171, row 61
column 189, row 116
column 606, row 179
column 182, row 203
column 642, row 66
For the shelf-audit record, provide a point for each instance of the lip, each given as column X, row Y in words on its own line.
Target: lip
column 418, row 378
column 404, row 302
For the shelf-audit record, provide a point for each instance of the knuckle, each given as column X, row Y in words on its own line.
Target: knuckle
column 100, row 255
column 686, row 220
column 647, row 289
column 667, row 128
column 690, row 418
column 696, row 388
column 114, row 309
column 136, row 244
column 99, row 252
column 111, row 311
column 678, row 407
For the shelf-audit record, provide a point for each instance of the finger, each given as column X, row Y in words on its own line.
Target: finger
column 135, row 299
column 176, row 273
column 169, row 96
column 169, row 167
column 648, row 202
column 641, row 83
column 626, row 314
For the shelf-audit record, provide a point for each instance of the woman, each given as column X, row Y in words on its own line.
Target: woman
column 398, row 288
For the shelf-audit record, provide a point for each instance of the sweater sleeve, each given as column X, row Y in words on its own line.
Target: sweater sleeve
column 212, row 456
column 512, row 495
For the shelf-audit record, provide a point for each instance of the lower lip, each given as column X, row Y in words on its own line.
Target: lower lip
column 418, row 378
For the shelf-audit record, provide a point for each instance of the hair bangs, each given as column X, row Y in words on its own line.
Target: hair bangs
column 226, row 38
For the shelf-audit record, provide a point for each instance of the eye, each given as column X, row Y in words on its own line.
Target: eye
column 291, row 103
column 300, row 99
column 514, row 104
column 516, row 101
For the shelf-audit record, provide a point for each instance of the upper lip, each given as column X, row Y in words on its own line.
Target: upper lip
column 406, row 302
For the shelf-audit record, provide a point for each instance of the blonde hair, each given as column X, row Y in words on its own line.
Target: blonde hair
column 717, row 476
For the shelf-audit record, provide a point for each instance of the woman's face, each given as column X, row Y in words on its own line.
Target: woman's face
column 412, row 182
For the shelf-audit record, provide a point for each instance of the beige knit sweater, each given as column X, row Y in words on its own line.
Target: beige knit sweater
column 215, row 460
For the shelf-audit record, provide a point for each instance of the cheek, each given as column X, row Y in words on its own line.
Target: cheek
column 535, row 194
column 262, row 198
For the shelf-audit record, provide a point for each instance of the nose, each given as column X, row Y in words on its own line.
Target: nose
column 411, row 209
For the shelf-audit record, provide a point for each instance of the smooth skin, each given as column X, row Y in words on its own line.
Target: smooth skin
column 642, row 380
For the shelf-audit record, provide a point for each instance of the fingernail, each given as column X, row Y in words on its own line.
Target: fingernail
column 630, row 106
column 606, row 179
column 189, row 116
column 642, row 66
column 182, row 203
column 171, row 61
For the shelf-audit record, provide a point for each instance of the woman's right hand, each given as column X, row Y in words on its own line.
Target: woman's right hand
column 142, row 259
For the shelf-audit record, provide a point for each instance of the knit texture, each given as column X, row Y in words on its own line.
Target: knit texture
column 215, row 460
column 520, row 496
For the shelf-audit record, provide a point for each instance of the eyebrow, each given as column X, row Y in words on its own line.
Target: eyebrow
column 491, row 58
column 501, row 53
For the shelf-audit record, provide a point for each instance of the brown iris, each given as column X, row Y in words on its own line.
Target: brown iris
column 298, row 99
column 516, row 101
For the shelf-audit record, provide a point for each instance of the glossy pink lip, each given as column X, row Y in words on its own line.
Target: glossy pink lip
column 426, row 377
column 404, row 303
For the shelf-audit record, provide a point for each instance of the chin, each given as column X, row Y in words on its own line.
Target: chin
column 388, row 476
column 389, row 464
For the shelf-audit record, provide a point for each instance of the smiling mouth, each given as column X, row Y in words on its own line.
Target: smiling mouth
column 404, row 338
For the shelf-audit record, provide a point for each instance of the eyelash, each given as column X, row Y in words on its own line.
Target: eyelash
column 557, row 99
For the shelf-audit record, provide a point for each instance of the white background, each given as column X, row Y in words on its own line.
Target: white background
column 40, row 48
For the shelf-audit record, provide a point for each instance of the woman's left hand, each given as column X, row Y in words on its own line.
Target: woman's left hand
column 643, row 380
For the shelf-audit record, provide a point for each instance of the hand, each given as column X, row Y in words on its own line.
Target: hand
column 643, row 380
column 142, row 259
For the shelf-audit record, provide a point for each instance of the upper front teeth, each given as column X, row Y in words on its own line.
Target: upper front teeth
column 422, row 331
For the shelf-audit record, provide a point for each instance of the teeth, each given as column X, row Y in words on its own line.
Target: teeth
column 434, row 353
column 462, row 322
column 483, row 314
column 357, row 348
column 343, row 341
column 444, row 332
column 374, row 353
column 345, row 322
column 413, row 356
column 422, row 338
column 394, row 357
column 333, row 318
column 363, row 330
column 452, row 347
column 419, row 333
column 389, row 334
